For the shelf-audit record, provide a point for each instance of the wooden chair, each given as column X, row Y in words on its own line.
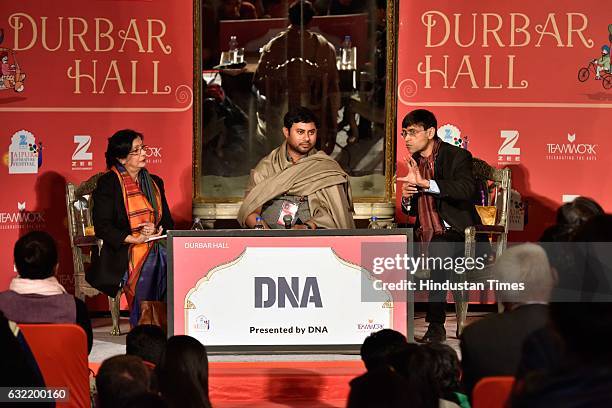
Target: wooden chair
column 80, row 228
column 498, row 184
column 492, row 392
column 61, row 353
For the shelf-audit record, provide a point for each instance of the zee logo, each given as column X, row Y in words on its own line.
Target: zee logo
column 279, row 291
column 82, row 158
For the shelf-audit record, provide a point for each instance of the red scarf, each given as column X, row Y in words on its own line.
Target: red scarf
column 139, row 210
column 429, row 219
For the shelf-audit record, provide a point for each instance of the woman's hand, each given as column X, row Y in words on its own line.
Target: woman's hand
column 147, row 228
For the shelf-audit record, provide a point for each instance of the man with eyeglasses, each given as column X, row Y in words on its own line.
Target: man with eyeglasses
column 439, row 190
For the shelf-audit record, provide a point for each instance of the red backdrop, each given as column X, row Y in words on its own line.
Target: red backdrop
column 92, row 67
column 506, row 76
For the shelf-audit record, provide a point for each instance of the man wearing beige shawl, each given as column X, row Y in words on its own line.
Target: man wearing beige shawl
column 297, row 180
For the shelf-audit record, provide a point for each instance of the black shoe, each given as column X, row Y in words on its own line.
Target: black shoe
column 436, row 333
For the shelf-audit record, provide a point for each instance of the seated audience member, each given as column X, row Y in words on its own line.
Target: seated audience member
column 379, row 386
column 419, row 368
column 447, row 371
column 297, row 180
column 182, row 373
column 492, row 346
column 119, row 379
column 583, row 376
column 570, row 216
column 35, row 296
column 146, row 341
column 543, row 351
column 18, row 367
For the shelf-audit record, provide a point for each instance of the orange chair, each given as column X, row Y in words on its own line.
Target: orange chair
column 492, row 392
column 61, row 353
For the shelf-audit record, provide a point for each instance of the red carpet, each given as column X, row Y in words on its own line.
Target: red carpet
column 281, row 384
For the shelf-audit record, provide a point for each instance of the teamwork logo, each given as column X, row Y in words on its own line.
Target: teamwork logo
column 24, row 156
column 22, row 218
column 12, row 74
column 599, row 67
column 571, row 150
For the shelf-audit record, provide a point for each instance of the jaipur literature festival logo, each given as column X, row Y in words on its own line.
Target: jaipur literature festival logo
column 573, row 149
column 24, row 155
column 20, row 218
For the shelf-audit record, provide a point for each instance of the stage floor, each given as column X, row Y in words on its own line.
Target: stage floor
column 106, row 345
column 273, row 380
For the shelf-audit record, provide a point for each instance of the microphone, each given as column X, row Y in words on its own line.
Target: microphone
column 287, row 219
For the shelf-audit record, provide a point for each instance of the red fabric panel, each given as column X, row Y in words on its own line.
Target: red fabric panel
column 61, row 353
column 492, row 392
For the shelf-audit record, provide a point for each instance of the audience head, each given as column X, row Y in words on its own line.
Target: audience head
column 446, row 367
column 146, row 341
column 577, row 212
column 35, row 255
column 301, row 13
column 120, row 146
column 416, row 365
column 377, row 347
column 121, row 378
column 182, row 373
column 527, row 264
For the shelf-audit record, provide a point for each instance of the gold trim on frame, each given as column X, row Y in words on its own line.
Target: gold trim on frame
column 390, row 112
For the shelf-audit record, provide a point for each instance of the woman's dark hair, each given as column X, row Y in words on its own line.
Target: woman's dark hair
column 300, row 115
column 421, row 117
column 446, row 368
column 572, row 215
column 120, row 145
column 378, row 346
column 183, row 373
column 414, row 363
column 35, row 255
column 301, row 13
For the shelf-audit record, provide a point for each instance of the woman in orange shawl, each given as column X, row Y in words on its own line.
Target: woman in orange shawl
column 129, row 210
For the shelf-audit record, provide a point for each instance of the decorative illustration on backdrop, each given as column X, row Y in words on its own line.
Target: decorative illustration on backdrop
column 599, row 66
column 12, row 75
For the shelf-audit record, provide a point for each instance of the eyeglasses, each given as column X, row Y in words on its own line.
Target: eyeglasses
column 411, row 132
column 140, row 149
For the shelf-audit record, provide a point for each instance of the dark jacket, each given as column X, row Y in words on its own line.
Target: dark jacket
column 492, row 346
column 112, row 226
column 453, row 174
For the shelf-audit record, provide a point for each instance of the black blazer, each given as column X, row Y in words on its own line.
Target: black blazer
column 492, row 346
column 453, row 174
column 112, row 226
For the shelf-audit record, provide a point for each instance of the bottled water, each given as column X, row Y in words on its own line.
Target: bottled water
column 374, row 224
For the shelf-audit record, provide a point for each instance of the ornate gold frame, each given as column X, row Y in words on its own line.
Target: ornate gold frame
column 390, row 109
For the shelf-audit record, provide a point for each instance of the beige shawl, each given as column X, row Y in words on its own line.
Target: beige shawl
column 317, row 176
